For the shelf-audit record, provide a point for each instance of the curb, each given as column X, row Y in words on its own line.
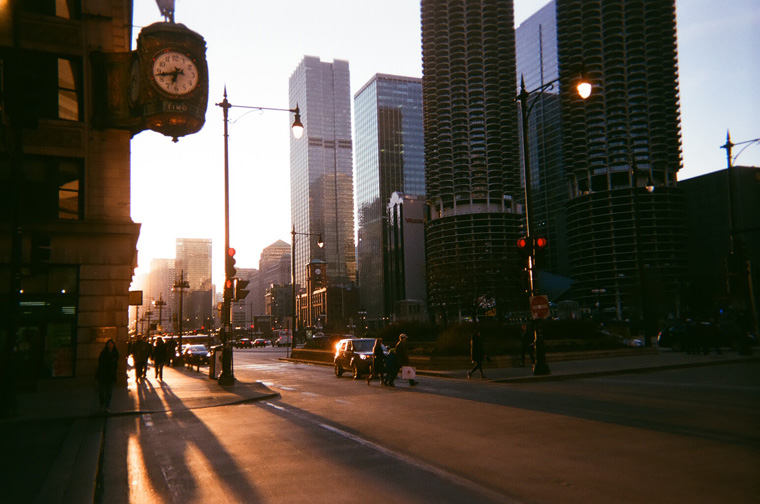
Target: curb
column 614, row 372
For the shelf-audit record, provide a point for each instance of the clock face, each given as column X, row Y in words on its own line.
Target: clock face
column 175, row 73
column 317, row 271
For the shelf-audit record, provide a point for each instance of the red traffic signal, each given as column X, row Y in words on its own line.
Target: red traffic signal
column 541, row 243
column 523, row 243
column 228, row 290
column 229, row 264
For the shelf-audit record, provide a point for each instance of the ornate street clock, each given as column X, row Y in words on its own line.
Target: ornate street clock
column 169, row 80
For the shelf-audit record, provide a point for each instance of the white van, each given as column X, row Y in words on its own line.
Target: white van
column 284, row 338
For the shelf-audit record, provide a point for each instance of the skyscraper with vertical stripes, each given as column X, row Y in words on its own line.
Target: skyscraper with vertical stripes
column 321, row 171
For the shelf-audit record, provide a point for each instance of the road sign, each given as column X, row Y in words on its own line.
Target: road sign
column 539, row 307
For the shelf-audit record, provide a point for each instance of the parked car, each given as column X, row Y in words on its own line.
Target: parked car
column 196, row 355
column 259, row 342
column 673, row 336
column 354, row 355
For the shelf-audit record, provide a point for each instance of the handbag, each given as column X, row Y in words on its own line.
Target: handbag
column 408, row 373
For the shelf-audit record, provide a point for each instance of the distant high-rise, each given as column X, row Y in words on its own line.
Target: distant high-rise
column 194, row 258
column 161, row 284
column 389, row 158
column 321, row 170
column 472, row 166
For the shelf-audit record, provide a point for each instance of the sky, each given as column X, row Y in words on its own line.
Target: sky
column 253, row 46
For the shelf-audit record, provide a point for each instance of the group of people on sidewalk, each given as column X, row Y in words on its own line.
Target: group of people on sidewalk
column 160, row 353
column 387, row 367
column 140, row 350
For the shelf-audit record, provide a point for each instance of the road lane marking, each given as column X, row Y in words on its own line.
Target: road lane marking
column 441, row 473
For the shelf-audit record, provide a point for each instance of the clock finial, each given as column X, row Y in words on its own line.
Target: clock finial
column 167, row 9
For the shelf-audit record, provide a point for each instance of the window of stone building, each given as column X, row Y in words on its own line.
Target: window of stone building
column 52, row 188
column 69, row 91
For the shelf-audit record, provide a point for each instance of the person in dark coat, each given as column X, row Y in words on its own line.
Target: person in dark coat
column 140, row 353
column 159, row 357
column 108, row 364
column 402, row 356
column 171, row 350
column 378, row 361
column 390, row 368
column 526, row 344
column 477, row 354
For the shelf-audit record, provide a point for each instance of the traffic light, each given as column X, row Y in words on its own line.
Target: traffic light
column 525, row 246
column 240, row 289
column 229, row 263
column 540, row 244
column 229, row 289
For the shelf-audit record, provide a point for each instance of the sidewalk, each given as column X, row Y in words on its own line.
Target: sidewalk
column 52, row 448
column 648, row 360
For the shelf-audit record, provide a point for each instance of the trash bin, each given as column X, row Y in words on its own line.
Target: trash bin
column 215, row 362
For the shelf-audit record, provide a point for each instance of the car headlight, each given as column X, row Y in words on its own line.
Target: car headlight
column 364, row 357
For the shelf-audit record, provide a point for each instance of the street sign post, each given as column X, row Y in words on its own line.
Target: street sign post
column 539, row 307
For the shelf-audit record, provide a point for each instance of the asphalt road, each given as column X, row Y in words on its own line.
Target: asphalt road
column 688, row 435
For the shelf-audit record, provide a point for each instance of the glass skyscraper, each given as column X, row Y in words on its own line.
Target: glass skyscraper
column 321, row 170
column 389, row 158
column 537, row 64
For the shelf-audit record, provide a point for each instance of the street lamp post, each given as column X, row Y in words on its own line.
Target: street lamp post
column 526, row 107
column 227, row 377
column 732, row 239
column 643, row 286
column 148, row 315
column 160, row 304
column 182, row 284
column 320, row 244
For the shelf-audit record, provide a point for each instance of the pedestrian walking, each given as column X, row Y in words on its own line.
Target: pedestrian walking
column 526, row 345
column 108, row 364
column 171, row 351
column 477, row 354
column 378, row 361
column 140, row 353
column 402, row 356
column 159, row 357
column 390, row 368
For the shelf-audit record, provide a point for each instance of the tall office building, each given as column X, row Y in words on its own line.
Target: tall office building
column 274, row 269
column 193, row 260
column 321, row 171
column 622, row 238
column 389, row 158
column 472, row 167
